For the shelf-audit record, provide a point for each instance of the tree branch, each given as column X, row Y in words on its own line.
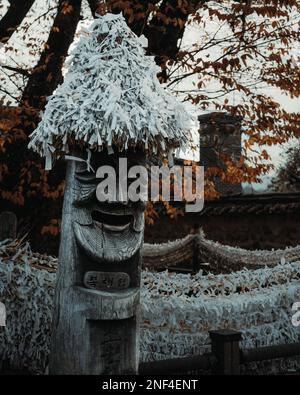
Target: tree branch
column 14, row 16
column 163, row 30
column 16, row 69
column 48, row 72
column 8, row 94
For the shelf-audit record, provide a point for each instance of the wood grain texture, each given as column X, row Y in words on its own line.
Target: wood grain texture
column 94, row 331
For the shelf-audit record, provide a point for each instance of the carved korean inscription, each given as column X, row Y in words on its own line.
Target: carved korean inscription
column 106, row 280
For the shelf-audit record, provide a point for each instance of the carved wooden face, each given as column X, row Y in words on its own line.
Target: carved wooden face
column 107, row 231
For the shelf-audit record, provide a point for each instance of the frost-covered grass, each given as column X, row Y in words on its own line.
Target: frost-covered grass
column 177, row 310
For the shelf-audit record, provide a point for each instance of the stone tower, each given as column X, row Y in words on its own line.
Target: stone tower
column 220, row 133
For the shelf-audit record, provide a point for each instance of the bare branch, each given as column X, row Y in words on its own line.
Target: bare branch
column 26, row 73
column 14, row 16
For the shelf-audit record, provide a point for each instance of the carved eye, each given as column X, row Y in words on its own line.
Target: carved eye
column 85, row 194
column 86, row 177
column 86, row 184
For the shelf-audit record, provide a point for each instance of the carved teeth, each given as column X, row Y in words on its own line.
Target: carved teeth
column 113, row 228
column 116, row 211
column 116, row 228
column 115, row 222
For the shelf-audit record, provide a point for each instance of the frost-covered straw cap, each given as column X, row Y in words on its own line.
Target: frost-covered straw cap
column 111, row 97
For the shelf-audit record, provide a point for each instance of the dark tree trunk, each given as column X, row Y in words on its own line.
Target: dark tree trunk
column 94, row 4
column 163, row 30
column 38, row 210
column 14, row 16
column 48, row 72
column 138, row 24
column 163, row 38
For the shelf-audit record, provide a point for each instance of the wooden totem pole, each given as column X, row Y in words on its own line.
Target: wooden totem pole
column 109, row 106
column 97, row 300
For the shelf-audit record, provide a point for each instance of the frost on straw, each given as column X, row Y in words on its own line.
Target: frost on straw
column 111, row 97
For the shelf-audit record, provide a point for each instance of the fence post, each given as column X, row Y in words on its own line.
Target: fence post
column 8, row 225
column 225, row 347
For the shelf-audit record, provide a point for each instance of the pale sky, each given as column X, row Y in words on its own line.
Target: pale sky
column 193, row 34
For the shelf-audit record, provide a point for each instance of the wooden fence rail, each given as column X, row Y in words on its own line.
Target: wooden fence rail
column 226, row 357
column 271, row 352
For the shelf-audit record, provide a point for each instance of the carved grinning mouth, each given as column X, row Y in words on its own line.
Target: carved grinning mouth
column 113, row 222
